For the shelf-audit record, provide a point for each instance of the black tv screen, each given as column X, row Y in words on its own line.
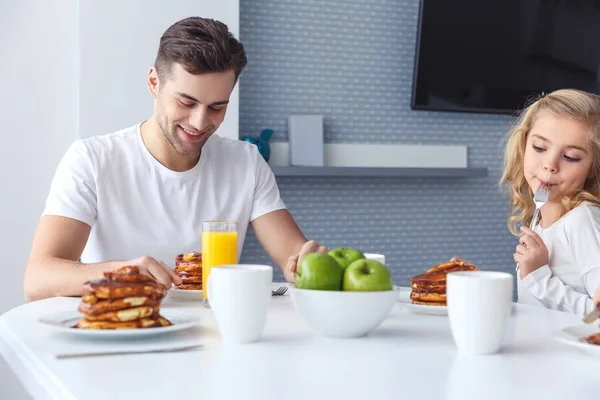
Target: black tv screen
column 494, row 55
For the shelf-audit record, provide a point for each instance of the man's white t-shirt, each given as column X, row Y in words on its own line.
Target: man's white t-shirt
column 137, row 207
column 572, row 276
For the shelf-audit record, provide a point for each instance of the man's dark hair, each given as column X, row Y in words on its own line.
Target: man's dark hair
column 200, row 45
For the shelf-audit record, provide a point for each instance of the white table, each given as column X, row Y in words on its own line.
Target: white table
column 410, row 356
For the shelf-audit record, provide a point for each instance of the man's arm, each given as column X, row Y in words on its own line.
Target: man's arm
column 53, row 269
column 283, row 241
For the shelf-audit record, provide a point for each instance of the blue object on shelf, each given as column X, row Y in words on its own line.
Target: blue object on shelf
column 262, row 143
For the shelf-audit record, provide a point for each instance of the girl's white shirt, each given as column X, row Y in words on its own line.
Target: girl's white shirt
column 572, row 275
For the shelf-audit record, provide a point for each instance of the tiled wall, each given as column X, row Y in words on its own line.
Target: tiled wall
column 352, row 61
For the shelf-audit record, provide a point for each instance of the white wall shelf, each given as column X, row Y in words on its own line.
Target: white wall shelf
column 380, row 172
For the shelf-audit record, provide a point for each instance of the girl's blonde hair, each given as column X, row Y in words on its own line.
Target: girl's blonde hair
column 574, row 104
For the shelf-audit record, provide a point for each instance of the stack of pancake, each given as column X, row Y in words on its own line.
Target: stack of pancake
column 593, row 339
column 430, row 288
column 123, row 299
column 189, row 267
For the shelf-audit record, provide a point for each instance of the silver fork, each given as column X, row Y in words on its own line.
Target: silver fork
column 539, row 198
column 129, row 351
column 592, row 316
column 280, row 291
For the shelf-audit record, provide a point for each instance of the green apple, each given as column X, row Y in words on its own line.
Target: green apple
column 345, row 256
column 318, row 271
column 367, row 276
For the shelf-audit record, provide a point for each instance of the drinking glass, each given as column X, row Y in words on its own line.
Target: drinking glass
column 219, row 247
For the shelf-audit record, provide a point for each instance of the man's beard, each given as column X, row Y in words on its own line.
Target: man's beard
column 171, row 137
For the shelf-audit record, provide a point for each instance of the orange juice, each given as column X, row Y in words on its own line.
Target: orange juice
column 218, row 248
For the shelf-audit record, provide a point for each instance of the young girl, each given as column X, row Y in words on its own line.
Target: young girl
column 556, row 143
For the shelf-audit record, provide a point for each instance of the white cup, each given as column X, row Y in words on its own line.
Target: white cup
column 376, row 257
column 479, row 306
column 239, row 297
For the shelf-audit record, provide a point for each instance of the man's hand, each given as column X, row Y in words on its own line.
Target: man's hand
column 309, row 247
column 531, row 253
column 156, row 269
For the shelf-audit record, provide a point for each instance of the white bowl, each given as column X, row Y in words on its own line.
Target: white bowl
column 343, row 314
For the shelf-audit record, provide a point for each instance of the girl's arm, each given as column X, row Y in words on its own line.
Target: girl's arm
column 597, row 297
column 554, row 294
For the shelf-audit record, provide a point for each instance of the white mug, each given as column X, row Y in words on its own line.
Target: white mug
column 479, row 307
column 376, row 257
column 239, row 297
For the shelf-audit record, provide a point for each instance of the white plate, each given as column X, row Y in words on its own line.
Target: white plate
column 402, row 291
column 179, row 294
column 63, row 321
column 196, row 295
column 404, row 299
column 573, row 336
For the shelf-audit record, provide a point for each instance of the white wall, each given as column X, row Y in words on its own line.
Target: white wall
column 38, row 103
column 118, row 45
column 54, row 80
column 38, row 111
column 47, row 91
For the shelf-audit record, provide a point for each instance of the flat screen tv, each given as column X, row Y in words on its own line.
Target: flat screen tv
column 494, row 55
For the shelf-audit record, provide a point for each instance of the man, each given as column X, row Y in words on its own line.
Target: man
column 139, row 196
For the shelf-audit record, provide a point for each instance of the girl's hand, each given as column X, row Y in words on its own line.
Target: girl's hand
column 597, row 297
column 531, row 253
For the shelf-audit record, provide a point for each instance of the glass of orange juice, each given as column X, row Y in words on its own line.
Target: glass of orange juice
column 219, row 247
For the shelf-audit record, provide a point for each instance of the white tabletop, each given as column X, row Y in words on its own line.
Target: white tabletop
column 409, row 356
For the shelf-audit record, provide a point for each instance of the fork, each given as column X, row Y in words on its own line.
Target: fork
column 280, row 291
column 592, row 316
column 129, row 351
column 540, row 198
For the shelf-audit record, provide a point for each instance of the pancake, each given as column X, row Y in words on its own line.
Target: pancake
column 431, row 279
column 429, row 303
column 192, row 279
column 136, row 324
column 451, row 266
column 434, row 283
column 189, row 286
column 89, row 298
column 433, row 288
column 430, row 288
column 127, row 274
column 593, row 339
column 123, row 299
column 128, row 314
column 190, row 257
column 426, row 296
column 189, row 271
column 115, row 289
column 189, row 262
column 103, row 306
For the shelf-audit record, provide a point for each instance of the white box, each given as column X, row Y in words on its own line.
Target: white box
column 305, row 134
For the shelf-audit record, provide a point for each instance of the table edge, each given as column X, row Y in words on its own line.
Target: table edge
column 39, row 382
